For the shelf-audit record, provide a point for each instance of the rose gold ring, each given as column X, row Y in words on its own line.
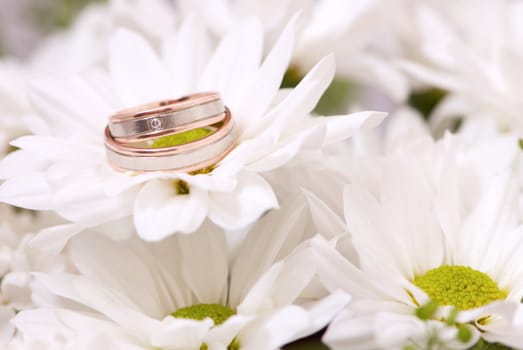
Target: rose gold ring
column 186, row 157
column 156, row 119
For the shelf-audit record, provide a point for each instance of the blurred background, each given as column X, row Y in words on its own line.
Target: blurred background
column 23, row 23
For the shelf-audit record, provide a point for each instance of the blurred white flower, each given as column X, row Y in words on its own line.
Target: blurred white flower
column 152, row 18
column 346, row 28
column 64, row 168
column 18, row 260
column 478, row 65
column 422, row 227
column 79, row 48
column 184, row 292
column 61, row 54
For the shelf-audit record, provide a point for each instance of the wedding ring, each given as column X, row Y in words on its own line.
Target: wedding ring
column 156, row 119
column 186, row 157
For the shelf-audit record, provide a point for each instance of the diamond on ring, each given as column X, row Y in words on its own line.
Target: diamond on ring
column 155, row 123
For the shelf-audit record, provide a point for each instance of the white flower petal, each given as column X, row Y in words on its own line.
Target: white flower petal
column 65, row 114
column 325, row 219
column 268, row 78
column 331, row 265
column 186, row 54
column 7, row 330
column 283, row 153
column 85, row 202
column 282, row 284
column 260, row 250
column 340, row 128
column 54, row 149
column 205, row 264
column 19, row 163
column 150, row 79
column 52, row 240
column 252, row 197
column 294, row 110
column 181, row 334
column 120, row 182
column 368, row 229
column 221, row 336
column 506, row 327
column 29, row 191
column 15, row 289
column 274, row 330
column 492, row 215
column 346, row 331
column 160, row 212
column 323, row 311
column 319, row 78
column 233, row 64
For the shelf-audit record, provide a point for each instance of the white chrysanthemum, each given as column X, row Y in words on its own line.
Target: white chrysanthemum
column 346, row 28
column 65, row 169
column 422, row 230
column 184, row 291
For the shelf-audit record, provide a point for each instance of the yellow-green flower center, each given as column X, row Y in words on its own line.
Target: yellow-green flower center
column 181, row 138
column 218, row 313
column 459, row 286
column 182, row 187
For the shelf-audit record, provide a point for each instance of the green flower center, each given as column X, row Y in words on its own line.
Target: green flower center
column 181, row 138
column 182, row 187
column 459, row 286
column 218, row 313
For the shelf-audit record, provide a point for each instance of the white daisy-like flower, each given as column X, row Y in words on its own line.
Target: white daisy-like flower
column 184, row 293
column 64, row 167
column 427, row 231
column 346, row 28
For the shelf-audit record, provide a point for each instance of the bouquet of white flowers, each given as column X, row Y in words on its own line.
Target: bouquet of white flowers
column 260, row 175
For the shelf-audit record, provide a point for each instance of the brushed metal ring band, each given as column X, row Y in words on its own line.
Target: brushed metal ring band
column 193, row 160
column 185, row 157
column 160, row 118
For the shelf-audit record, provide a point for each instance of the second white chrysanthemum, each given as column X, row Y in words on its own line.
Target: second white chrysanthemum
column 184, row 293
column 438, row 251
